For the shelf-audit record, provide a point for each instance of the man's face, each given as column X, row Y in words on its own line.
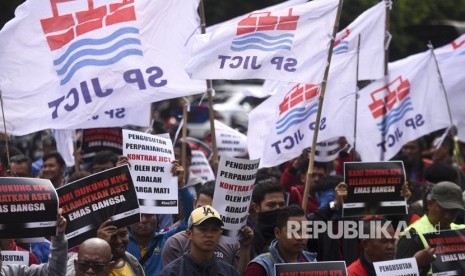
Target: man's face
column 291, row 244
column 178, row 155
column 146, row 227
column 93, row 262
column 382, row 249
column 20, row 169
column 206, row 236
column 412, row 151
column 119, row 242
column 440, row 216
column 202, row 201
column 101, row 167
column 51, row 170
column 271, row 202
column 317, row 174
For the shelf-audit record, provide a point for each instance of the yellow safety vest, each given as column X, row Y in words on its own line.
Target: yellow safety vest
column 423, row 225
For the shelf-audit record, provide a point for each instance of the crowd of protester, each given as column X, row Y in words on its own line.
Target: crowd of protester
column 190, row 244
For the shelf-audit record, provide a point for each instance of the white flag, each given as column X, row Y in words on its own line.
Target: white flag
column 283, row 125
column 64, row 62
column 370, row 25
column 289, row 45
column 408, row 105
column 451, row 59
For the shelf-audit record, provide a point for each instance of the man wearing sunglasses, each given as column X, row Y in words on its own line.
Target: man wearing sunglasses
column 94, row 258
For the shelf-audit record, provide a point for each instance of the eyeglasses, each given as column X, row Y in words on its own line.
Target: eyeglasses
column 84, row 266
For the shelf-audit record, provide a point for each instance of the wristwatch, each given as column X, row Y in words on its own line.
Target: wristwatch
column 332, row 205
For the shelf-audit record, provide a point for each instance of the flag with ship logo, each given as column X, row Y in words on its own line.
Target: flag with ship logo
column 268, row 44
column 64, row 63
column 284, row 124
column 409, row 104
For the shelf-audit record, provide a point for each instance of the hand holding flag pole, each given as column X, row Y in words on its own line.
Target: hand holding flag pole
column 309, row 180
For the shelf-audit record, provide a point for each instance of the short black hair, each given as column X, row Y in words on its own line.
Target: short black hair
column 266, row 186
column 285, row 213
column 438, row 172
column 57, row 156
column 21, row 158
column 208, row 188
column 178, row 144
column 104, row 156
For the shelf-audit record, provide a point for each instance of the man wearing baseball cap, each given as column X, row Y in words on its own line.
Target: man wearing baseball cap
column 204, row 232
column 443, row 205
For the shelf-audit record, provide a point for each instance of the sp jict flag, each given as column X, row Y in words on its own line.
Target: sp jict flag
column 370, row 25
column 451, row 59
column 283, row 125
column 63, row 62
column 409, row 104
column 290, row 44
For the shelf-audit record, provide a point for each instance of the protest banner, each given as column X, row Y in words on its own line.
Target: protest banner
column 374, row 188
column 28, row 208
column 450, row 251
column 230, row 142
column 98, row 139
column 317, row 268
column 200, row 166
column 150, row 157
column 90, row 201
column 400, row 267
column 233, row 192
column 15, row 257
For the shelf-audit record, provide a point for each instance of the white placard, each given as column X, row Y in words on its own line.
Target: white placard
column 150, row 158
column 230, row 142
column 15, row 257
column 406, row 266
column 233, row 193
column 200, row 166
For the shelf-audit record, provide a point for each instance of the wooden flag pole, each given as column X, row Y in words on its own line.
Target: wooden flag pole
column 356, row 96
column 211, row 112
column 387, row 40
column 309, row 179
column 184, row 141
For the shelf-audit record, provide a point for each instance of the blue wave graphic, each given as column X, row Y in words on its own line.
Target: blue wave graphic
column 95, row 62
column 97, row 52
column 257, row 47
column 264, row 36
column 395, row 115
column 263, row 42
column 343, row 47
column 92, row 41
column 295, row 116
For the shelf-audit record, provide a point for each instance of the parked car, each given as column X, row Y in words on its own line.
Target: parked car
column 231, row 103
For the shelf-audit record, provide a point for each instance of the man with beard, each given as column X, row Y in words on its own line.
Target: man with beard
column 267, row 199
column 286, row 248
